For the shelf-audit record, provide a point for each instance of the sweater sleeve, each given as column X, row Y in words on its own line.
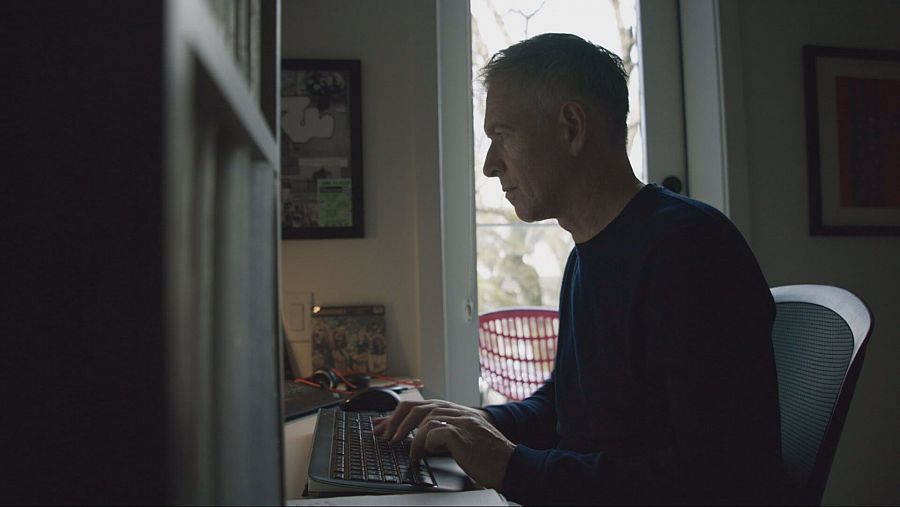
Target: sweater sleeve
column 705, row 317
column 531, row 421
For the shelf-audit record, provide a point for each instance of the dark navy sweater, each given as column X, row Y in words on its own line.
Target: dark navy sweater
column 664, row 386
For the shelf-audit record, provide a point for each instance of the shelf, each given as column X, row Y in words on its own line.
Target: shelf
column 194, row 24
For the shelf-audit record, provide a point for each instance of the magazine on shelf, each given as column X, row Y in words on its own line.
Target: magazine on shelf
column 349, row 338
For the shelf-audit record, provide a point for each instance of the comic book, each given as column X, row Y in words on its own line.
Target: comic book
column 349, row 338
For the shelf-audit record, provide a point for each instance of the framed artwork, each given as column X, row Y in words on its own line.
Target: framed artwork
column 321, row 149
column 853, row 140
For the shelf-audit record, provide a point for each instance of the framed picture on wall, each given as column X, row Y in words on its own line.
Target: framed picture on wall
column 321, row 149
column 853, row 140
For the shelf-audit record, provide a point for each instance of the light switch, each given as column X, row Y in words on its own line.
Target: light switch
column 297, row 320
column 297, row 315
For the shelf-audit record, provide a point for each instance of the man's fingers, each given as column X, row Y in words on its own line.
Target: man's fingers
column 428, row 438
column 410, row 414
column 413, row 418
column 445, row 412
column 388, row 427
column 379, row 424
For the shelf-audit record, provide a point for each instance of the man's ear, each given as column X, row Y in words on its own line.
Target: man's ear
column 573, row 122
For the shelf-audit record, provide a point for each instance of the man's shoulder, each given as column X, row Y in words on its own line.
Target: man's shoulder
column 657, row 222
column 674, row 211
column 698, row 242
column 683, row 226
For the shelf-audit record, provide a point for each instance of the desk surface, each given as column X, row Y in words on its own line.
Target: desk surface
column 297, row 443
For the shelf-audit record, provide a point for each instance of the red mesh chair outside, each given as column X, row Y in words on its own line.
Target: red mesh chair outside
column 516, row 348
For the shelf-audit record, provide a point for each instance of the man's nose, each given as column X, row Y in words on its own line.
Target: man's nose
column 493, row 166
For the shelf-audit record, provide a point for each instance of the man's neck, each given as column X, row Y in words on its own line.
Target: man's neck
column 596, row 202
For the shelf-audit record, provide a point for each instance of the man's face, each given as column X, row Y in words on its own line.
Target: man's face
column 521, row 155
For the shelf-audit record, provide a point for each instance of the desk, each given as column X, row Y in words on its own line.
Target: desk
column 297, row 444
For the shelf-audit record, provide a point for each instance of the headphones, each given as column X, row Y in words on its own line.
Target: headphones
column 331, row 379
column 326, row 378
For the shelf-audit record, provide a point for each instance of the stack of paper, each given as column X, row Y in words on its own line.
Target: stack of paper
column 479, row 497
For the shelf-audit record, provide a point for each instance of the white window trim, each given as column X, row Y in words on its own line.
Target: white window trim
column 661, row 90
column 714, row 108
column 450, row 365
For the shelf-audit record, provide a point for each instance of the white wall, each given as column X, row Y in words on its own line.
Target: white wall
column 395, row 41
column 867, row 465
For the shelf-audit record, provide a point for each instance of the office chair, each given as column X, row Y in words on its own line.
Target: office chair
column 819, row 336
column 516, row 349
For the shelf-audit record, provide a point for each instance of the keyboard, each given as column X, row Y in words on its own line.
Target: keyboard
column 361, row 456
column 347, row 458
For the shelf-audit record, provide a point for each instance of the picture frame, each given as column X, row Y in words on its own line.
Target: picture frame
column 852, row 105
column 321, row 149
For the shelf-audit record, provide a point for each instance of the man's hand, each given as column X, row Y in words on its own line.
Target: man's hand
column 466, row 433
column 409, row 415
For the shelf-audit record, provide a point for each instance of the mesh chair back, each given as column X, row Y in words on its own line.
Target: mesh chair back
column 516, row 348
column 818, row 337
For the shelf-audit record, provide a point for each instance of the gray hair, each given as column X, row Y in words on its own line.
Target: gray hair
column 557, row 66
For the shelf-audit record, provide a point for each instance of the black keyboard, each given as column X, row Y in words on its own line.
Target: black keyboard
column 359, row 455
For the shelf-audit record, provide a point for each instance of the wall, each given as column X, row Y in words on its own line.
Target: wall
column 867, row 464
column 395, row 41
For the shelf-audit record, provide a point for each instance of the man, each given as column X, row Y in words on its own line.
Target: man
column 664, row 386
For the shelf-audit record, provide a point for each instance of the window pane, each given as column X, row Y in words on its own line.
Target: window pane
column 520, row 264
